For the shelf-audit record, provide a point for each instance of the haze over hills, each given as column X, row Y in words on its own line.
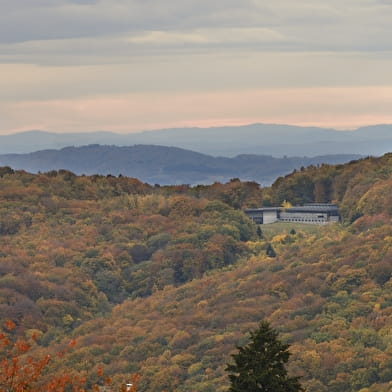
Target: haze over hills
column 271, row 139
column 163, row 165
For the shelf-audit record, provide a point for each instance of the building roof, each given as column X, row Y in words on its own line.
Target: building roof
column 263, row 209
column 309, row 207
column 314, row 207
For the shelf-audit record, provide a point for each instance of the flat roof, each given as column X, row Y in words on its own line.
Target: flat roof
column 262, row 209
column 313, row 208
column 309, row 207
column 319, row 205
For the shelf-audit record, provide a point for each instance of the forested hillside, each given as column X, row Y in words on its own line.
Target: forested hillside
column 165, row 281
column 164, row 165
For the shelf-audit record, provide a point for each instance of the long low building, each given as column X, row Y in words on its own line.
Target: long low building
column 312, row 213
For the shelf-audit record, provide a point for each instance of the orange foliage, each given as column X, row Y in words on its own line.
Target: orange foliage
column 20, row 372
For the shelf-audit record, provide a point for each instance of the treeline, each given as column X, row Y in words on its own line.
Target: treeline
column 359, row 187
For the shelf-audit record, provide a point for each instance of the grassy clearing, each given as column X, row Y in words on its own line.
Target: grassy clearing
column 273, row 229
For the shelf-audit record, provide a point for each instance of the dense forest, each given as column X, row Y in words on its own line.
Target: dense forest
column 165, row 281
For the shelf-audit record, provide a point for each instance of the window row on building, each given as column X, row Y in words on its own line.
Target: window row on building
column 312, row 213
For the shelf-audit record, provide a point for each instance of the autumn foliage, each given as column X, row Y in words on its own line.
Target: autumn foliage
column 164, row 281
column 17, row 374
column 21, row 372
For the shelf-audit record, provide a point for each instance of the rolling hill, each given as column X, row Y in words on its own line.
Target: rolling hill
column 165, row 281
column 163, row 165
column 260, row 139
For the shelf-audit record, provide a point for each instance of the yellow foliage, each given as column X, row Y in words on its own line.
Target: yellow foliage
column 185, row 359
column 195, row 368
column 219, row 338
column 278, row 238
column 286, row 204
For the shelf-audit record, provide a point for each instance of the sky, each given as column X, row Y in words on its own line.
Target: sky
column 132, row 65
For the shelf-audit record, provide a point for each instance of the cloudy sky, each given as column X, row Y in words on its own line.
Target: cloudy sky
column 130, row 65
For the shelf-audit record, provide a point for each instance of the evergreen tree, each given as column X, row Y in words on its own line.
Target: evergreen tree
column 270, row 251
column 259, row 366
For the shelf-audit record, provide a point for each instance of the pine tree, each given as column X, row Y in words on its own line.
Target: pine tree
column 259, row 366
column 269, row 251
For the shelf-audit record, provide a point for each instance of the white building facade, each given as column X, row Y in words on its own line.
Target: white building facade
column 312, row 213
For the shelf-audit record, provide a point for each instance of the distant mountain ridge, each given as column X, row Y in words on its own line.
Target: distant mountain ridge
column 262, row 139
column 163, row 165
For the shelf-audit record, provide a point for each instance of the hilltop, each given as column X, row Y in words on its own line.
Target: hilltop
column 262, row 139
column 165, row 281
column 163, row 165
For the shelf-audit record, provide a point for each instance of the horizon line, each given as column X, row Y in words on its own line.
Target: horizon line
column 185, row 127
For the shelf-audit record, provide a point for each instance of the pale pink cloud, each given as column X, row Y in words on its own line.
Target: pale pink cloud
column 339, row 107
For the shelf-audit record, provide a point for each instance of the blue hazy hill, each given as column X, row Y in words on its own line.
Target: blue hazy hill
column 163, row 165
column 265, row 139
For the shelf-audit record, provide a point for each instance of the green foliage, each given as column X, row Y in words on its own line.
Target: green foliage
column 260, row 365
column 269, row 251
column 5, row 170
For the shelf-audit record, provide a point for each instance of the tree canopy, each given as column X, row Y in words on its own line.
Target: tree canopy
column 260, row 365
column 143, row 276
